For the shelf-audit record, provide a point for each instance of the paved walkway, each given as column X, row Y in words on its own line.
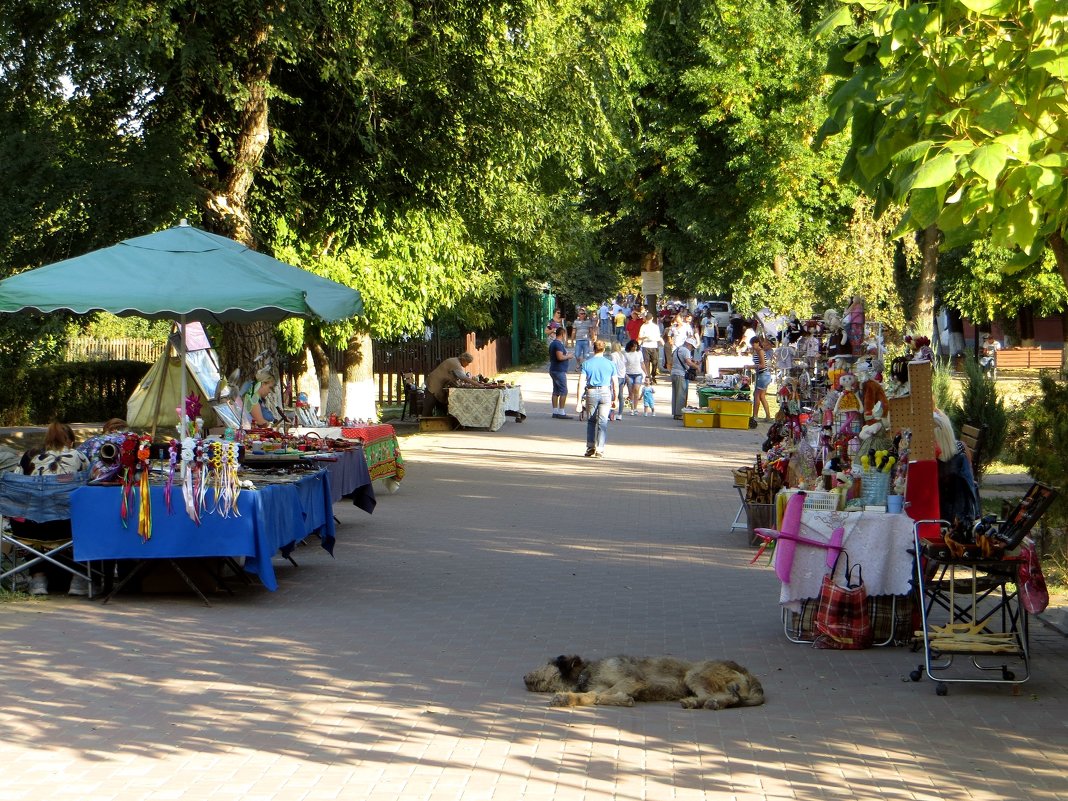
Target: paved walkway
column 394, row 670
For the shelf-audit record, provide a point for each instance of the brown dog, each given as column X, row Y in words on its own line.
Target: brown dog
column 622, row 680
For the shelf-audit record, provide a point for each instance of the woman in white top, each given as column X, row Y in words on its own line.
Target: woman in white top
column 634, row 370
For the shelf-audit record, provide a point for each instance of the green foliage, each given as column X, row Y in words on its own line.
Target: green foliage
column 982, row 407
column 81, row 391
column 942, row 388
column 955, row 111
column 1039, row 435
column 979, row 280
column 858, row 260
column 535, row 351
column 720, row 178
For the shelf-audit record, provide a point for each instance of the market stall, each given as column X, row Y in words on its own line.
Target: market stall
column 837, row 440
column 381, row 448
column 486, row 407
column 279, row 512
column 185, row 274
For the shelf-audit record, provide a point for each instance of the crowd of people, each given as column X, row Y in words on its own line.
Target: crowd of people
column 641, row 346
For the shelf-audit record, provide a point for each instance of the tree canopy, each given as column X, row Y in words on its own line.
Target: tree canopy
column 956, row 111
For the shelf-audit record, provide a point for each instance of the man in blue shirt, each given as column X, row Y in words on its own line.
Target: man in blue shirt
column 599, row 376
column 559, row 361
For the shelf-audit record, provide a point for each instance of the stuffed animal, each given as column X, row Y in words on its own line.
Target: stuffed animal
column 876, row 406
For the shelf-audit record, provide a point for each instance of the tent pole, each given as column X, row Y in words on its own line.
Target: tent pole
column 161, row 380
column 182, row 350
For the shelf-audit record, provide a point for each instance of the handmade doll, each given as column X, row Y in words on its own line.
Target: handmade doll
column 836, row 368
column 921, row 349
column 853, row 324
column 837, row 338
column 827, row 407
column 794, row 329
column 808, row 348
column 848, row 410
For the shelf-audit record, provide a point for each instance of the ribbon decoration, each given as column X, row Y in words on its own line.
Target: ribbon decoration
column 144, row 517
column 172, row 462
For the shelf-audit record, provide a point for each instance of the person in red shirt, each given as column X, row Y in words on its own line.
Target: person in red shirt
column 634, row 324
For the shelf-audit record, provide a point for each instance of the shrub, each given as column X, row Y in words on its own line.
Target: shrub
column 1040, row 436
column 81, row 391
column 942, row 388
column 536, row 351
column 981, row 407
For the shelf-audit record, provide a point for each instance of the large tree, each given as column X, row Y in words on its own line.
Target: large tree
column 957, row 111
column 425, row 152
column 720, row 180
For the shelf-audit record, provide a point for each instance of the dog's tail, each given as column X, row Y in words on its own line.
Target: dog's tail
column 755, row 696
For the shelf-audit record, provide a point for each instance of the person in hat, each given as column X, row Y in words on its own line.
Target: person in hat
column 682, row 360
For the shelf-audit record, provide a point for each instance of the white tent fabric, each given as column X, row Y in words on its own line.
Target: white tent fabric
column 142, row 410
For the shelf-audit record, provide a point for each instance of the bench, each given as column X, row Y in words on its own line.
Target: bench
column 1029, row 358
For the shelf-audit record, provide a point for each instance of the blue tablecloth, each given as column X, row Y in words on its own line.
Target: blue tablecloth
column 273, row 517
column 349, row 476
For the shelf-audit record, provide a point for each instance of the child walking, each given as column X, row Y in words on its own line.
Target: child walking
column 648, row 402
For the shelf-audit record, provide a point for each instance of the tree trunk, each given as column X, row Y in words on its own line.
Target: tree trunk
column 650, row 263
column 322, row 366
column 253, row 346
column 923, row 305
column 360, row 396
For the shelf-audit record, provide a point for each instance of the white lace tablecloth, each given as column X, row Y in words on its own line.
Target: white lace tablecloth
column 713, row 364
column 879, row 542
column 485, row 408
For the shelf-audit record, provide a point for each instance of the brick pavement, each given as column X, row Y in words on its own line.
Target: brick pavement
column 394, row 670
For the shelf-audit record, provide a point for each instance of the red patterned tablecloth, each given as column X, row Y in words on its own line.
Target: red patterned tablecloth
column 381, row 449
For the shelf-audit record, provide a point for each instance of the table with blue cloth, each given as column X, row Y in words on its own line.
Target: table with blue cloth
column 275, row 516
column 349, row 475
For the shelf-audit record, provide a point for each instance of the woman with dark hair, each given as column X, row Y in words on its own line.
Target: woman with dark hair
column 58, row 457
column 634, row 370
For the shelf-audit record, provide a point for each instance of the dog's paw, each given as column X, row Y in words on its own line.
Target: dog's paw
column 690, row 703
column 561, row 699
column 712, row 703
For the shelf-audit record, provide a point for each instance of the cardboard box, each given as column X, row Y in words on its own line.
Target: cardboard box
column 699, row 419
column 445, row 423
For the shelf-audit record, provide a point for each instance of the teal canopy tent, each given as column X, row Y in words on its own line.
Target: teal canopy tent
column 182, row 273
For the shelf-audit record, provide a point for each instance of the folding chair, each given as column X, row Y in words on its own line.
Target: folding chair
column 38, row 508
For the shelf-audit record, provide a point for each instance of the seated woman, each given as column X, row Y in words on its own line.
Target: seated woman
column 257, row 405
column 58, row 457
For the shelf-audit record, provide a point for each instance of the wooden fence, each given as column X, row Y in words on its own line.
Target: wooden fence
column 391, row 359
column 97, row 349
